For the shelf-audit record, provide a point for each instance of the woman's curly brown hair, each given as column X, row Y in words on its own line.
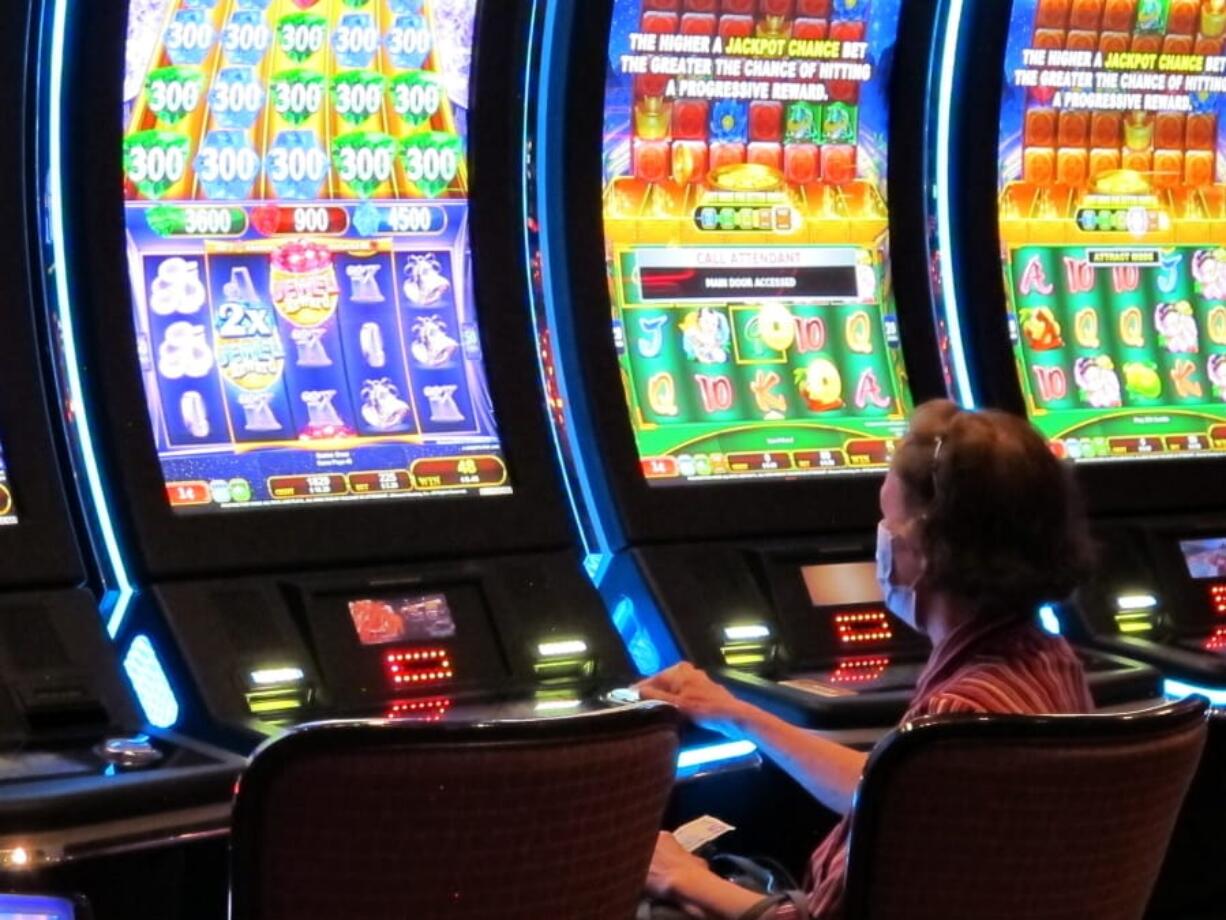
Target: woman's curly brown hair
column 1000, row 519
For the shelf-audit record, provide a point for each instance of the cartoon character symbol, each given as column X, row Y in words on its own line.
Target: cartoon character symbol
column 821, row 385
column 1150, row 16
column 1217, row 375
column 836, row 124
column 800, row 123
column 1177, row 329
column 1209, row 271
column 1142, row 380
column 424, row 281
column 1098, row 383
column 432, row 346
column 382, row 407
column 1042, row 329
column 705, row 335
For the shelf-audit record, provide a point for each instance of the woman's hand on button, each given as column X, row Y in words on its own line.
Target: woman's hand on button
column 697, row 696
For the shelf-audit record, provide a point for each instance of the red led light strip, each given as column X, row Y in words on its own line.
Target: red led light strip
column 420, row 666
column 1217, row 641
column 859, row 670
column 858, row 628
column 430, row 709
column 1217, row 598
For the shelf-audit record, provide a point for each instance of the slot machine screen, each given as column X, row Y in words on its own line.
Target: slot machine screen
column 842, row 583
column 1205, row 558
column 1112, row 201
column 36, row 907
column 8, row 514
column 296, row 188
column 380, row 621
column 746, row 230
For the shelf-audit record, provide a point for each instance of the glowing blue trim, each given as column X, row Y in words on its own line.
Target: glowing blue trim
column 121, row 591
column 965, row 393
column 151, row 684
column 709, row 754
column 1049, row 620
column 36, row 906
column 1178, row 689
column 593, row 556
column 554, row 277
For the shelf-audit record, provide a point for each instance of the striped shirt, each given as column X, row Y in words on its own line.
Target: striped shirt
column 1011, row 667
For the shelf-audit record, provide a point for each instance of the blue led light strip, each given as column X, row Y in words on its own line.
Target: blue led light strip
column 689, row 758
column 1178, row 689
column 554, row 277
column 594, row 556
column 120, row 587
column 964, row 392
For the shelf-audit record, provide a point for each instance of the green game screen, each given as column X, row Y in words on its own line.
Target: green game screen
column 746, row 233
column 1113, row 224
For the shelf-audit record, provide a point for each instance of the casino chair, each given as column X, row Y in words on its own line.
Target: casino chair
column 1021, row 817
column 516, row 820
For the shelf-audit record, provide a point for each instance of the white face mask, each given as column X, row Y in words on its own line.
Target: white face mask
column 899, row 599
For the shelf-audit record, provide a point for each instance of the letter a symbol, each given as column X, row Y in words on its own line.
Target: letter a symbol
column 1034, row 278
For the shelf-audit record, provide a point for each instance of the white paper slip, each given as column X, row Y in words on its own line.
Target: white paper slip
column 696, row 834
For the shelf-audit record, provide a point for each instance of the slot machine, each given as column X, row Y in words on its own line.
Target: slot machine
column 737, row 286
column 291, row 296
column 1101, row 314
column 82, row 773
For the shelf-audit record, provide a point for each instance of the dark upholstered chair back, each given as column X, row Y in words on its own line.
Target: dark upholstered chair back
column 505, row 821
column 1021, row 817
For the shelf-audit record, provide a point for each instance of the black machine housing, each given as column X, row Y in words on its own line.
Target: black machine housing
column 62, row 692
column 227, row 594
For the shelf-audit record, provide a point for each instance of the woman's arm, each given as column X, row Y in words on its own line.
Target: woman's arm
column 828, row 770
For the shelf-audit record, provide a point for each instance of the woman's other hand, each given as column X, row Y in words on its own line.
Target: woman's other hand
column 673, row 869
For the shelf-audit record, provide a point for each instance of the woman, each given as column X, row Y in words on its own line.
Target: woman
column 980, row 525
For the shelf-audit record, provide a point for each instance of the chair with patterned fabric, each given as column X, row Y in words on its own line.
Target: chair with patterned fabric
column 1021, row 817
column 515, row 820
